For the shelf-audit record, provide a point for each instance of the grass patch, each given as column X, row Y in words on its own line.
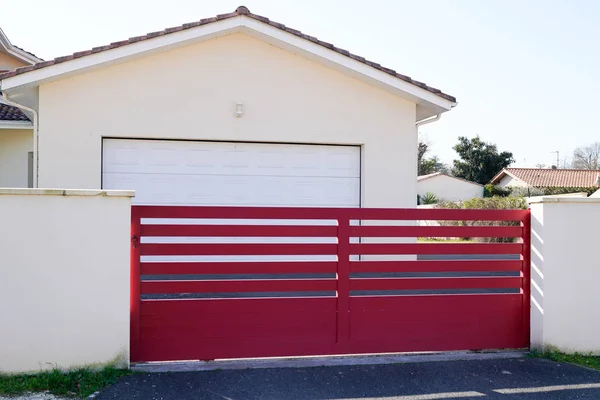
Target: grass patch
column 77, row 383
column 589, row 361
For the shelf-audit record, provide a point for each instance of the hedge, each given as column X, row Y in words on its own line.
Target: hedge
column 487, row 203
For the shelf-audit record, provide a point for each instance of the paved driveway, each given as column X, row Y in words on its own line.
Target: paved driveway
column 508, row 379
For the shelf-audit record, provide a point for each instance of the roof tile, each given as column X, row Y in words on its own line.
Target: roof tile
column 95, row 50
column 260, row 18
column 82, row 53
column 10, row 113
column 26, row 68
column 228, row 15
column 277, row 25
column 239, row 11
column 116, row 44
column 190, row 25
column 543, row 177
column 293, row 31
column 136, row 39
column 63, row 59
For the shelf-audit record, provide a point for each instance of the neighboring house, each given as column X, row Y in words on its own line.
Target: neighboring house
column 16, row 133
column 230, row 110
column 447, row 187
column 547, row 178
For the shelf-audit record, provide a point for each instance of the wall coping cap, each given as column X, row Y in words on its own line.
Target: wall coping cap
column 65, row 192
column 579, row 200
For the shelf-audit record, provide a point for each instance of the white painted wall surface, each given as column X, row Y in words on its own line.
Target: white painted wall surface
column 14, row 146
column 565, row 272
column 8, row 62
column 448, row 188
column 191, row 92
column 512, row 182
column 64, row 279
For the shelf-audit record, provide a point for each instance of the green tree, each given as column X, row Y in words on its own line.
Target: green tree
column 429, row 165
column 479, row 161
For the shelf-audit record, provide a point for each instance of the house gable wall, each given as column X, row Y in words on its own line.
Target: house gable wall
column 509, row 181
column 190, row 94
column 8, row 62
column 448, row 188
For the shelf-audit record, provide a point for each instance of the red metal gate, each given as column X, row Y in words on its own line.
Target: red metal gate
column 220, row 282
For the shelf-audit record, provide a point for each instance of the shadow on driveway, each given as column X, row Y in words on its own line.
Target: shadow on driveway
column 508, row 379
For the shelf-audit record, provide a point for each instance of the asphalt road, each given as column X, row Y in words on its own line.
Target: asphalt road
column 508, row 379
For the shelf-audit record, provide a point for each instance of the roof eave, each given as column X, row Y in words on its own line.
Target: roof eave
column 16, row 52
column 428, row 102
column 437, row 174
column 8, row 124
column 496, row 179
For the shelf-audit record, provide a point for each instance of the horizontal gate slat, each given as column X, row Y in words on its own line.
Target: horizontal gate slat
column 236, row 285
column 180, row 268
column 435, row 231
column 240, row 230
column 435, row 248
column 436, row 266
column 240, row 212
column 232, row 306
column 493, row 282
column 436, row 214
column 230, row 249
column 405, row 214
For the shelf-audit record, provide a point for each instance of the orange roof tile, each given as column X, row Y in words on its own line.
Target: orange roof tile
column 543, row 177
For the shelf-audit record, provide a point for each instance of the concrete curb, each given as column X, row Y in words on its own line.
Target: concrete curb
column 93, row 395
column 329, row 361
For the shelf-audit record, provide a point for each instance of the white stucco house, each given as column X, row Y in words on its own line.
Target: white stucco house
column 447, row 187
column 230, row 110
column 16, row 129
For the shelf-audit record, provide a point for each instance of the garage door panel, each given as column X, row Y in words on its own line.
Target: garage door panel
column 232, row 190
column 217, row 173
column 219, row 158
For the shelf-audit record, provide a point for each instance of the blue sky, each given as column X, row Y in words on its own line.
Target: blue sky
column 525, row 72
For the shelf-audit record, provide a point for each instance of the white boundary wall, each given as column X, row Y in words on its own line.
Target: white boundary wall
column 64, row 278
column 565, row 274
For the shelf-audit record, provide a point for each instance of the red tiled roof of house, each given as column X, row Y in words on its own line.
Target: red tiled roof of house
column 239, row 11
column 538, row 177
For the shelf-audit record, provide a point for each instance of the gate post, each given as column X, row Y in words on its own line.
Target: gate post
column 134, row 291
column 343, row 282
column 526, row 282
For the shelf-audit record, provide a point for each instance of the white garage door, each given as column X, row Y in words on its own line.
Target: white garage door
column 224, row 173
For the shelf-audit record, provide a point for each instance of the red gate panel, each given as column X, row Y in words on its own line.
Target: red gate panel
column 231, row 282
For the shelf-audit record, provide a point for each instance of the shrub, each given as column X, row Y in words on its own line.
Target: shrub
column 429, row 198
column 526, row 191
column 488, row 203
column 496, row 203
column 548, row 191
column 490, row 190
